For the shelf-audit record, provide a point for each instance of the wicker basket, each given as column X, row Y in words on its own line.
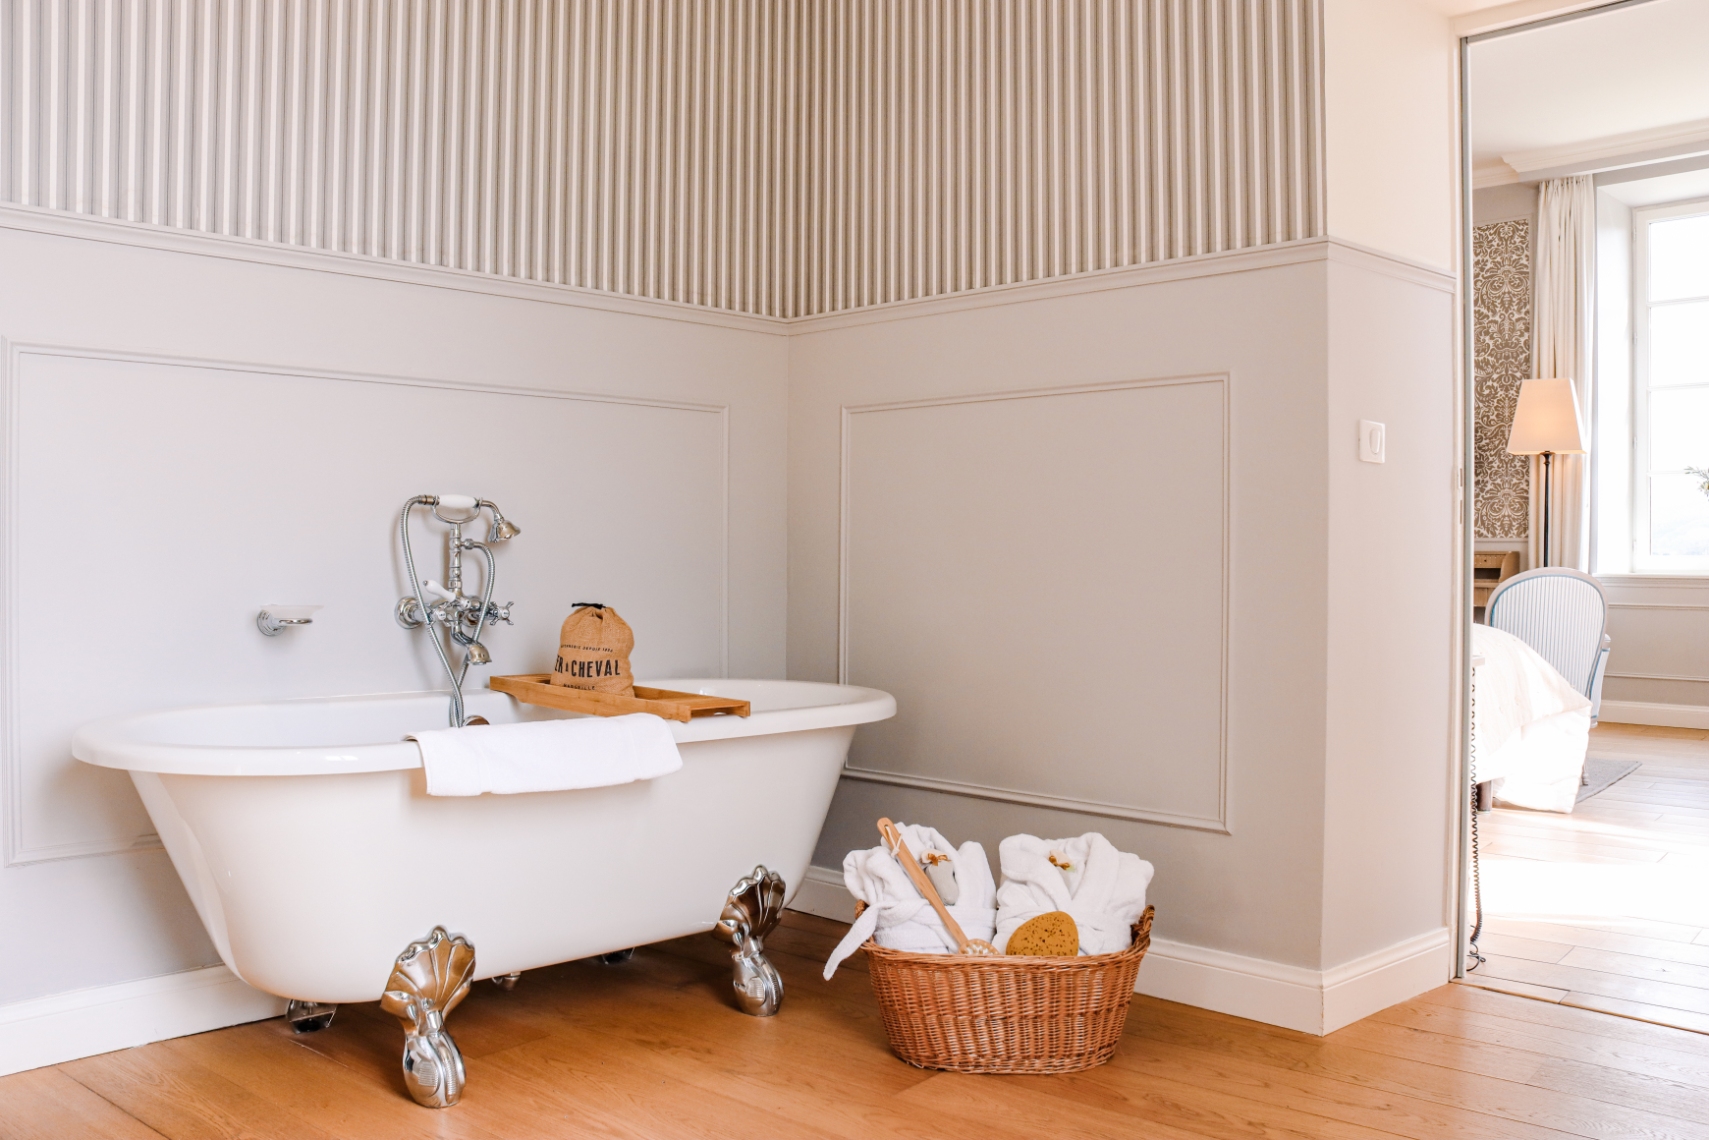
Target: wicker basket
column 1005, row 1014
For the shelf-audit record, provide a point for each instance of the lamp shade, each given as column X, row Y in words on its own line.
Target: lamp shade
column 1546, row 419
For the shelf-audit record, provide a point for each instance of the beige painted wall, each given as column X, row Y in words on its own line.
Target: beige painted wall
column 1337, row 721
column 1391, row 164
column 1391, row 580
column 1256, row 891
column 1503, row 203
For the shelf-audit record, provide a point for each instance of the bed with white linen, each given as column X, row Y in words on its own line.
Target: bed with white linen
column 1530, row 727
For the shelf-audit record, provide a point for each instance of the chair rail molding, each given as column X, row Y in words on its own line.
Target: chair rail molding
column 142, row 235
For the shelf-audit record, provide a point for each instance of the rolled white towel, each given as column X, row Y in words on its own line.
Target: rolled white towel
column 1101, row 888
column 896, row 914
column 547, row 755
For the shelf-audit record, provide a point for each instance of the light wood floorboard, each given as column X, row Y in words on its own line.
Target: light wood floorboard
column 653, row 1049
column 1607, row 908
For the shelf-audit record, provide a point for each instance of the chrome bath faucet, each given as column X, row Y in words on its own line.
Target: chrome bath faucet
column 462, row 616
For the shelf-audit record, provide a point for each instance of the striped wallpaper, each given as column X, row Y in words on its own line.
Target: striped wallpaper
column 776, row 157
column 624, row 145
column 960, row 144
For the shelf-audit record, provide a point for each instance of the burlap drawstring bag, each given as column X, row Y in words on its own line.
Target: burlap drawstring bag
column 593, row 651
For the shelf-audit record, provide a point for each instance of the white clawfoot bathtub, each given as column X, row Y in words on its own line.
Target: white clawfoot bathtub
column 305, row 837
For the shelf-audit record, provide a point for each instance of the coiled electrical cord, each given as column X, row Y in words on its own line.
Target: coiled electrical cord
column 1477, row 887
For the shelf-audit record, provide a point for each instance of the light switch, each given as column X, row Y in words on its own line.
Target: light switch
column 1373, row 441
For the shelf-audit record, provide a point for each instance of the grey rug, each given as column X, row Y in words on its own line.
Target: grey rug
column 1600, row 775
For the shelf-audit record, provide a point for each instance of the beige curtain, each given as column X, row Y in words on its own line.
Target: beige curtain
column 1562, row 327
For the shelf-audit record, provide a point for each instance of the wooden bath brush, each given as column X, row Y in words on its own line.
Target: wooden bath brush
column 893, row 840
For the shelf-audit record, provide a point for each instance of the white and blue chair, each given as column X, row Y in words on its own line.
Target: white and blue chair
column 1563, row 615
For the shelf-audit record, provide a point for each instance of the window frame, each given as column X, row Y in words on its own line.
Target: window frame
column 1642, row 561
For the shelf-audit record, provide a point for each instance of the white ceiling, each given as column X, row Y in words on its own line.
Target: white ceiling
column 1655, row 191
column 1641, row 68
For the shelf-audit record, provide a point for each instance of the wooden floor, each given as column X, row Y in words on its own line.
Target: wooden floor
column 1608, row 908
column 653, row 1049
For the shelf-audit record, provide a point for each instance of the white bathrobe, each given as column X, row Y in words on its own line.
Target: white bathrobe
column 897, row 915
column 1101, row 888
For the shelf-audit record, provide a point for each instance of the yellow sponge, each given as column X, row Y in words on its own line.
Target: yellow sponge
column 1052, row 935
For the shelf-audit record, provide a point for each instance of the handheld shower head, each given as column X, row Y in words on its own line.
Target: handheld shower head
column 502, row 528
column 452, row 617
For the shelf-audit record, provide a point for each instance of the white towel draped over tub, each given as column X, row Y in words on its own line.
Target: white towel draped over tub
column 897, row 915
column 546, row 755
column 1101, row 888
column 1530, row 728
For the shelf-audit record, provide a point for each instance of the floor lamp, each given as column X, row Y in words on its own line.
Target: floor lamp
column 1546, row 423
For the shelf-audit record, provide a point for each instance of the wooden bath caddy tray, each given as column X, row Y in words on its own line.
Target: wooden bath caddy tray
column 532, row 689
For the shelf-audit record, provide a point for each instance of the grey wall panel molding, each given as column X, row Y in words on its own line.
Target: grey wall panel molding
column 1001, row 555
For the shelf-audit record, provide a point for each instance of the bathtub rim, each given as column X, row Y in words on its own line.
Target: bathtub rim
column 113, row 742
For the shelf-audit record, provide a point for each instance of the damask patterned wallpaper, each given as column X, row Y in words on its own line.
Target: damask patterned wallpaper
column 1501, row 359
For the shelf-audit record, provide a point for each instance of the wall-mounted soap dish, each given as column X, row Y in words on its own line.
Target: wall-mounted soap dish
column 275, row 617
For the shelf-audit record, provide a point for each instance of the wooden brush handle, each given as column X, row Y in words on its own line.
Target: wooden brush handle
column 893, row 840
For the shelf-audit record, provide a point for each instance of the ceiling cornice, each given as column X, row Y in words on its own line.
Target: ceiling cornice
column 1497, row 173
column 1633, row 148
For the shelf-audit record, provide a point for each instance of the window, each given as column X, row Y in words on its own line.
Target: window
column 1670, row 491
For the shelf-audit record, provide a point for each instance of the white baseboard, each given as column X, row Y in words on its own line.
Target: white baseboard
column 1254, row 988
column 1394, row 974
column 1647, row 712
column 1294, row 997
column 46, row 1031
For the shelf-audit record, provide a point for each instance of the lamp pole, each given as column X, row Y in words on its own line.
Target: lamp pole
column 1548, row 491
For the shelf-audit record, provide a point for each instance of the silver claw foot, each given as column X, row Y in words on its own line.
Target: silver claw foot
column 616, row 957
column 751, row 912
column 309, row 1016
column 505, row 981
column 428, row 980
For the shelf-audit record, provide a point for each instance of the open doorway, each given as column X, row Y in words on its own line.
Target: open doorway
column 1589, row 333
